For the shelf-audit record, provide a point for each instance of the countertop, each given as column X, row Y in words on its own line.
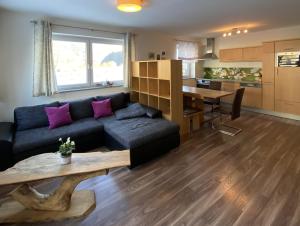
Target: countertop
column 226, row 80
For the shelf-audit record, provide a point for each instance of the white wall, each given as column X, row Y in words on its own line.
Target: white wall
column 251, row 39
column 16, row 60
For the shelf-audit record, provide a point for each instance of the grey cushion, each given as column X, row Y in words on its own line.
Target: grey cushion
column 118, row 101
column 35, row 138
column 152, row 112
column 32, row 116
column 135, row 132
column 132, row 111
column 80, row 109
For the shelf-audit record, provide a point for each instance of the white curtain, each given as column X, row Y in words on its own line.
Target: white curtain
column 129, row 57
column 44, row 81
column 187, row 50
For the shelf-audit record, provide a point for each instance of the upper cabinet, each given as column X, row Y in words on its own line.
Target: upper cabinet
column 287, row 46
column 248, row 54
column 252, row 53
column 230, row 55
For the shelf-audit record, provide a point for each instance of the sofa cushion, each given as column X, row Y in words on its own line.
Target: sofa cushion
column 118, row 101
column 58, row 116
column 102, row 108
column 80, row 109
column 24, row 116
column 35, row 138
column 138, row 131
column 132, row 111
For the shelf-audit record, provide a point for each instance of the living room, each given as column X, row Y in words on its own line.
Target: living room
column 146, row 112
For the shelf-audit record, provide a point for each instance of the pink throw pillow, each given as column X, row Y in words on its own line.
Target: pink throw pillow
column 58, row 116
column 102, row 108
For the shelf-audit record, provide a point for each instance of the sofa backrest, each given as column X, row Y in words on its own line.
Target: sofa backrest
column 118, row 100
column 32, row 116
column 80, row 109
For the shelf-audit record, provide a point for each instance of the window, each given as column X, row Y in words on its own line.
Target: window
column 82, row 62
column 188, row 53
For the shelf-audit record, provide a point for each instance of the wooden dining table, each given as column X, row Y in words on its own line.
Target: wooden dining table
column 201, row 93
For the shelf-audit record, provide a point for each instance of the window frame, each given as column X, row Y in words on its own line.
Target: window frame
column 89, row 60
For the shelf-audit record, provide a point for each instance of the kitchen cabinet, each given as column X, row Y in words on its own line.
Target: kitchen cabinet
column 268, row 73
column 287, row 92
column 252, row 95
column 249, row 54
column 229, row 86
column 252, row 53
column 287, row 46
column 231, row 55
column 268, row 97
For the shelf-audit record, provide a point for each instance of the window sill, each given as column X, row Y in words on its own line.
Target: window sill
column 89, row 88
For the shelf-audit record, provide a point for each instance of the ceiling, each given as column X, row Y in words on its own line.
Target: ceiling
column 176, row 17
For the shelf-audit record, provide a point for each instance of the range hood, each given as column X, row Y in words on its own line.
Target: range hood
column 210, row 50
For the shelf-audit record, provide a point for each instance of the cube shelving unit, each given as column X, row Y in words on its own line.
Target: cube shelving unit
column 158, row 84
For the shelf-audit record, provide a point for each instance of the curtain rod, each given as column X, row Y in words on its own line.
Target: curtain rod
column 83, row 28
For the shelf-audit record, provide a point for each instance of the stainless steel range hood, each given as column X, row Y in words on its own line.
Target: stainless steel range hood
column 210, row 50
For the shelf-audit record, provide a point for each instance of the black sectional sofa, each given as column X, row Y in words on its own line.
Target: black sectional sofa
column 147, row 137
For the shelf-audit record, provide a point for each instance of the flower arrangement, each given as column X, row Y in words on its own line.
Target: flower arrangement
column 66, row 148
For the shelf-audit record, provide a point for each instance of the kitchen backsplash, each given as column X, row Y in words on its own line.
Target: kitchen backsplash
column 240, row 74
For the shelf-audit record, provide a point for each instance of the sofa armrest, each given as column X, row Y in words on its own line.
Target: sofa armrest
column 6, row 143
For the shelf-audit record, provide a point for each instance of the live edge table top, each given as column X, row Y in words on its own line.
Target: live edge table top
column 46, row 166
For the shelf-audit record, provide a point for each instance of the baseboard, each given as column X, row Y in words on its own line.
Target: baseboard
column 273, row 113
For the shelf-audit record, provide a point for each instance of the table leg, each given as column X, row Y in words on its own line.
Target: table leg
column 28, row 205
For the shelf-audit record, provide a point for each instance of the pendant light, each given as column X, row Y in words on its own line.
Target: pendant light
column 129, row 6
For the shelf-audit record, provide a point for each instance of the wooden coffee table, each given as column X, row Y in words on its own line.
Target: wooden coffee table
column 26, row 205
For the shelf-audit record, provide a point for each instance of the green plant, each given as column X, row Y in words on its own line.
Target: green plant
column 66, row 148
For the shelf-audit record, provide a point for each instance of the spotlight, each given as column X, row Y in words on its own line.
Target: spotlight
column 238, row 32
column 229, row 34
column 245, row 31
column 224, row 35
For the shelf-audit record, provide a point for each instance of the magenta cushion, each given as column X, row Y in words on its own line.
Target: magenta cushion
column 58, row 116
column 102, row 108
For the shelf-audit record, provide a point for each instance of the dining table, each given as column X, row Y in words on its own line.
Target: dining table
column 201, row 93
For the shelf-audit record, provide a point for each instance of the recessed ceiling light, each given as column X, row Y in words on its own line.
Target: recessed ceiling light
column 129, row 6
column 229, row 34
column 245, row 31
column 238, row 32
column 224, row 35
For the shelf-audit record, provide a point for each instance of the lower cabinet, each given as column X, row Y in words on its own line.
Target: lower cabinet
column 229, row 86
column 287, row 107
column 252, row 97
column 268, row 96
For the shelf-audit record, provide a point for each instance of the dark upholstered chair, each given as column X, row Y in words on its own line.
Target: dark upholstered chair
column 215, row 85
column 234, row 114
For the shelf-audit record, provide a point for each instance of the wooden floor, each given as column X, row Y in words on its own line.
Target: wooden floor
column 213, row 179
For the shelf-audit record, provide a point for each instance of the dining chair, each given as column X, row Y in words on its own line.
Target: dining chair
column 234, row 114
column 214, row 85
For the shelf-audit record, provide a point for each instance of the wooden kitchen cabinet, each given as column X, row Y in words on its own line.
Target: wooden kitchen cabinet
column 231, row 55
column 229, row 86
column 287, row 46
column 252, row 53
column 268, row 73
column 287, row 92
column 268, row 96
column 252, row 97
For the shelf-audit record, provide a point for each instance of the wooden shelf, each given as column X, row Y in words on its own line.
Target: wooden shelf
column 152, row 70
column 153, row 101
column 164, row 106
column 143, row 66
column 153, row 86
column 143, row 99
column 134, row 96
column 144, row 85
column 164, row 89
column 135, row 84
